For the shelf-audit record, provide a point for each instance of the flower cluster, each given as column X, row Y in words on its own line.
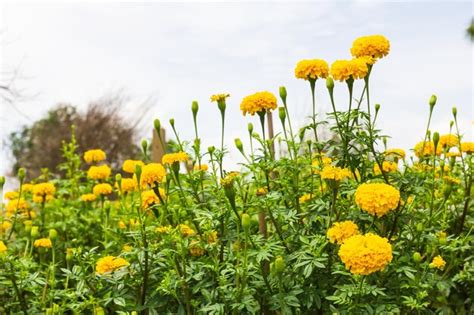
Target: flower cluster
column 43, row 192
column 102, row 189
column 152, row 173
column 377, row 199
column 88, row 197
column 99, row 172
column 219, row 97
column 335, row 173
column 343, row 70
column 171, row 158
column 94, row 156
column 129, row 166
column 311, row 69
column 43, row 242
column 438, row 262
column 387, row 166
column 398, row 153
column 109, row 264
column 448, row 141
column 258, row 102
column 340, row 231
column 423, row 149
column 467, row 147
column 365, row 254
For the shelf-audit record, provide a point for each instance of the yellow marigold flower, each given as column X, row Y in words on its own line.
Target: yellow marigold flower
column 426, row 149
column 88, row 197
column 99, row 172
column 27, row 187
column 343, row 70
column 122, row 225
column 3, row 248
column 127, row 248
column 377, row 199
column 109, row 264
column 311, row 69
column 305, row 198
column 93, row 156
column 451, row 180
column 320, row 163
column 12, row 205
column 43, row 242
column 340, row 231
column 375, row 46
column 41, row 198
column 365, row 254
column 195, row 249
column 441, row 234
column 128, row 184
column 149, row 198
column 10, row 195
column 258, row 102
column 44, row 189
column 219, row 97
column 399, row 153
column 212, row 237
column 129, row 166
column 262, row 191
column 102, row 189
column 452, row 154
column 467, row 147
column 438, row 262
column 163, row 229
column 204, row 167
column 448, row 141
column 5, row 226
column 388, row 167
column 330, row 172
column 152, row 173
column 186, row 230
column 171, row 158
column 228, row 180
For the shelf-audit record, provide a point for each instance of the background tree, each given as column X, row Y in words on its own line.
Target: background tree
column 102, row 126
column 470, row 30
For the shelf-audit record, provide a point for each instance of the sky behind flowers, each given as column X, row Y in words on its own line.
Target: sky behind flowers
column 175, row 53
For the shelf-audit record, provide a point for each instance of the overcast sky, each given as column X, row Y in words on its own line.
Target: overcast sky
column 179, row 52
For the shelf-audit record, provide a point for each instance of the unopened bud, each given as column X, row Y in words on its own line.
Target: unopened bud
column 144, row 146
column 416, row 257
column 21, row 174
column 455, row 112
column 377, row 107
column 245, row 221
column 282, row 114
column 157, row 125
column 69, row 254
column 53, row 234
column 172, row 122
column 419, row 227
column 195, row 108
column 238, row 144
column 279, row 264
column 211, row 149
column 283, row 94
column 2, row 182
column 330, row 84
column 436, row 139
column 118, row 179
column 34, row 231
column 433, row 100
column 250, row 128
column 451, row 124
column 138, row 173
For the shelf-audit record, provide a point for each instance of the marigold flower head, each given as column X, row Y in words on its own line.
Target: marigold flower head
column 448, row 141
column 13, row 205
column 340, row 231
column 186, row 230
column 228, row 180
column 102, row 189
column 335, row 173
column 388, row 167
column 27, row 187
column 452, row 154
column 149, row 198
column 128, row 184
column 219, row 97
column 467, row 147
column 121, row 225
column 3, row 248
column 129, row 166
column 398, row 153
column 374, row 46
column 311, row 69
column 44, row 189
column 43, row 242
column 10, row 195
column 320, row 163
column 99, row 172
column 88, row 197
column 42, row 198
column 212, row 237
column 152, row 173
column 426, row 149
column 127, row 248
column 365, row 254
column 163, row 229
column 451, row 180
column 203, row 167
column 262, row 191
column 94, row 156
column 343, row 70
column 305, row 198
column 170, row 158
column 258, row 102
column 5, row 226
column 195, row 249
column 109, row 264
column 377, row 199
column 438, row 262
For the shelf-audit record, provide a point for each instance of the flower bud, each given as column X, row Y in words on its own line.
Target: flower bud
column 157, row 125
column 279, row 264
column 433, row 100
column 384, row 139
column 282, row 114
column 301, row 134
column 69, row 254
column 195, row 108
column 34, row 231
column 435, row 139
column 377, row 108
column 211, row 149
column 455, row 112
column 99, row 311
column 416, row 257
column 138, row 173
column 245, row 221
column 283, row 94
column 21, row 174
column 330, row 84
column 53, row 234
column 144, row 146
column 250, row 128
column 419, row 227
column 238, row 144
column 2, row 182
column 451, row 124
column 118, row 180
column 172, row 122
column 28, row 224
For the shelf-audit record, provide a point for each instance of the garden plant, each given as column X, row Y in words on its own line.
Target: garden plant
column 343, row 225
